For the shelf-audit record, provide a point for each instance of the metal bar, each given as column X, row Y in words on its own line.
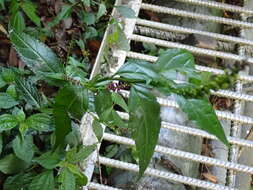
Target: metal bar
column 220, row 114
column 182, row 13
column 131, row 54
column 192, row 49
column 196, row 132
column 183, row 154
column 184, row 30
column 164, row 175
column 218, row 5
column 98, row 186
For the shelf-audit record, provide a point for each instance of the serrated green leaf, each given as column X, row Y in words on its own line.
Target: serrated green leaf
column 145, row 122
column 10, row 164
column 74, row 99
column 43, row 181
column 79, row 154
column 67, row 180
column 81, row 178
column 6, row 101
column 17, row 22
column 201, row 112
column 30, row 10
column 37, row 56
column 29, row 92
column 98, row 129
column 19, row 181
column 101, row 10
column 40, row 122
column 118, row 99
column 126, row 11
column 49, row 160
column 65, row 13
column 7, row 122
column 23, row 147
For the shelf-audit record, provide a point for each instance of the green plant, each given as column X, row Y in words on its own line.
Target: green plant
column 76, row 93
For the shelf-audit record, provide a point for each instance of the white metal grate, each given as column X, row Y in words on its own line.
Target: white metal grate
column 239, row 95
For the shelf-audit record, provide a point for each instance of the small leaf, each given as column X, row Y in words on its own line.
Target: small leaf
column 40, row 122
column 43, row 181
column 67, row 180
column 98, row 129
column 86, row 2
column 65, row 13
column 8, row 75
column 37, row 56
column 201, row 112
column 6, row 101
column 145, row 122
column 30, row 10
column 17, row 22
column 11, row 90
column 2, row 82
column 49, row 160
column 101, row 10
column 10, row 164
column 19, row 114
column 117, row 99
column 29, row 92
column 7, row 122
column 111, row 150
column 81, row 178
column 89, row 18
column 23, row 148
column 76, row 155
column 126, row 12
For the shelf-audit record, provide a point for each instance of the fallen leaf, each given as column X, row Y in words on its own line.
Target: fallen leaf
column 210, row 177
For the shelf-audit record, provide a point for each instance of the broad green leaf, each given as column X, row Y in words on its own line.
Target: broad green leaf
column 101, row 10
column 89, row 18
column 81, row 178
column 103, row 104
column 118, row 99
column 40, row 122
column 145, row 122
column 65, row 13
column 7, row 122
column 74, row 99
column 62, row 124
column 76, row 155
column 17, row 22
column 126, row 12
column 201, row 112
column 49, row 160
column 76, row 73
column 10, row 164
column 11, row 90
column 19, row 181
column 37, row 56
column 138, row 70
column 30, row 10
column 43, row 181
column 23, row 147
column 6, row 101
column 67, row 180
column 98, row 129
column 90, row 32
column 19, row 114
column 29, row 92
column 176, row 60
